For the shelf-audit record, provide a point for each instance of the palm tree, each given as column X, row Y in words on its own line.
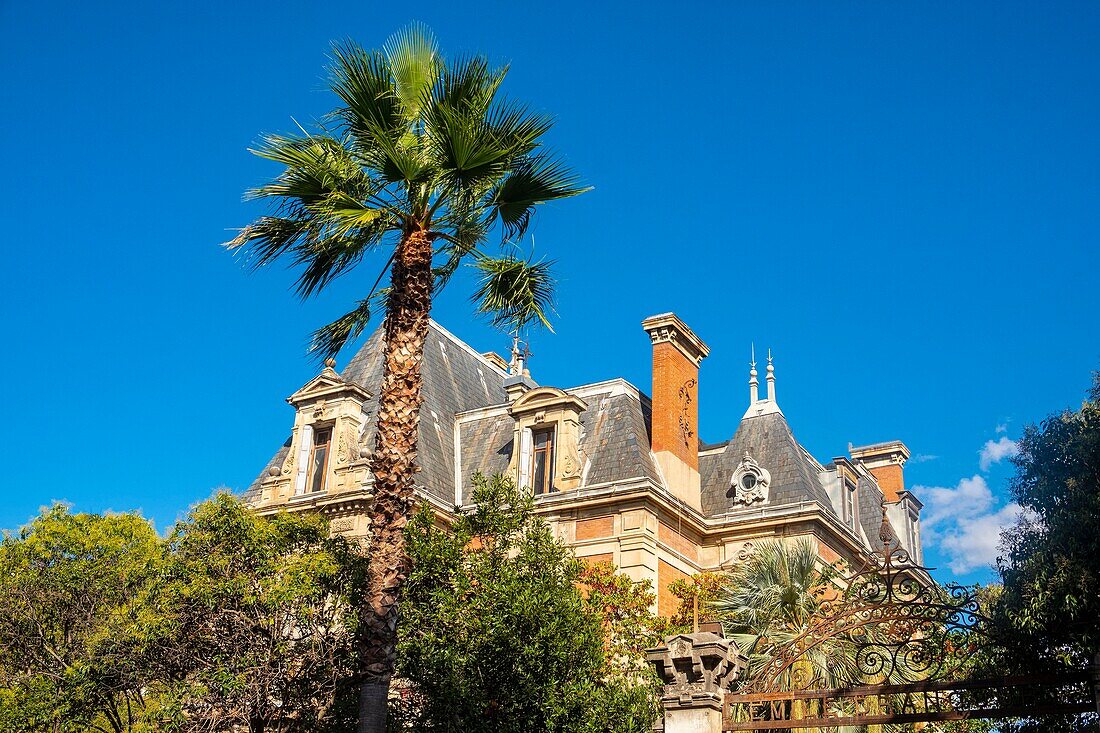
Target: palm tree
column 422, row 161
column 775, row 597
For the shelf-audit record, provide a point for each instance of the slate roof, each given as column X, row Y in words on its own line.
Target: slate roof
column 870, row 513
column 615, row 437
column 252, row 493
column 770, row 442
column 456, row 378
column 614, row 442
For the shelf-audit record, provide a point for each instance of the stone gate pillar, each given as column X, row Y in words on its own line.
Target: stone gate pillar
column 696, row 670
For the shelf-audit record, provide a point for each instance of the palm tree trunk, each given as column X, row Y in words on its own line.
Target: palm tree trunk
column 393, row 465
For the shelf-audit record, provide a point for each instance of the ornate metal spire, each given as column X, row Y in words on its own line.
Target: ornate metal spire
column 753, row 383
column 771, row 378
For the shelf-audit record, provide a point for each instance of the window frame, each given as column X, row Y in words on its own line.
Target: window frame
column 547, row 451
column 312, row 468
column 848, row 502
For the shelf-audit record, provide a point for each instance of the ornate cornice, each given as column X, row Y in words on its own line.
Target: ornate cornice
column 668, row 328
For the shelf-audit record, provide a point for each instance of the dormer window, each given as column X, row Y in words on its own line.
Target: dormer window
column 848, row 500
column 318, row 459
column 542, row 461
column 547, row 433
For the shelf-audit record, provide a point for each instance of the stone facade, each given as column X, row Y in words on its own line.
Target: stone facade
column 629, row 480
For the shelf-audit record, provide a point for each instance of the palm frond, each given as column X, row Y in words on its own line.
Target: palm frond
column 327, row 341
column 317, row 167
column 533, row 181
column 466, row 233
column 514, row 292
column 330, row 256
column 461, row 148
column 414, row 62
column 416, row 142
column 516, row 127
column 468, row 84
column 268, row 238
column 364, row 82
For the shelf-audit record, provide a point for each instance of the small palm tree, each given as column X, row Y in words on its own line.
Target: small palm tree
column 422, row 162
column 772, row 599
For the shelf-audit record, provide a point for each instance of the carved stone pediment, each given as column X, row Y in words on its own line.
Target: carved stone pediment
column 325, row 386
column 549, row 407
column 545, row 400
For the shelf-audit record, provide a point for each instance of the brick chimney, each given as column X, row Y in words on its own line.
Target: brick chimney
column 886, row 462
column 677, row 353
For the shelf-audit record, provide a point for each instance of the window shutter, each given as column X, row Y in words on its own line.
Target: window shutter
column 303, row 460
column 525, row 459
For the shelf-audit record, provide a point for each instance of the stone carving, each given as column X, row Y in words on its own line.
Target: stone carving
column 750, row 482
column 745, row 552
column 570, row 461
column 685, row 405
column 694, row 665
column 343, row 524
column 288, row 464
column 345, row 446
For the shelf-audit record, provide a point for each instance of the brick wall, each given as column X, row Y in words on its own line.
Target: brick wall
column 666, row 574
column 677, row 541
column 890, row 480
column 590, row 529
column 673, row 372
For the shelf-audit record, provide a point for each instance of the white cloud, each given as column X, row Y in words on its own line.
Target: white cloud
column 923, row 458
column 1002, row 428
column 995, row 451
column 964, row 522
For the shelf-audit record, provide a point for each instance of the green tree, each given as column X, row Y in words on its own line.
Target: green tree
column 66, row 582
column 423, row 161
column 502, row 634
column 1049, row 569
column 1046, row 617
column 774, row 597
column 250, row 624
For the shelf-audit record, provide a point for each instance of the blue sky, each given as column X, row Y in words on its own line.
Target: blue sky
column 900, row 199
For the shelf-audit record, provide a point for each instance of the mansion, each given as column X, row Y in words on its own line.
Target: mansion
column 620, row 475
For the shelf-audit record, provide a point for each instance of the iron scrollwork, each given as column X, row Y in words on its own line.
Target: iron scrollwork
column 898, row 623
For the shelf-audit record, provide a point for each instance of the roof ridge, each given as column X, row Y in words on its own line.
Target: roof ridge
column 466, row 347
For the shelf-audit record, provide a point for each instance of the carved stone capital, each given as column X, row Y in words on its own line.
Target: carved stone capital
column 696, row 668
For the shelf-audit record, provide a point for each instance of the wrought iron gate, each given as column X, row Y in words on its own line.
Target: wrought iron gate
column 912, row 637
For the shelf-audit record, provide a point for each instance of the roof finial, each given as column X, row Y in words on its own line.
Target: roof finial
column 515, row 365
column 771, row 378
column 520, row 358
column 753, row 395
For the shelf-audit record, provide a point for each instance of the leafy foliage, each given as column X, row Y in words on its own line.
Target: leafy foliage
column 498, row 633
column 702, row 589
column 418, row 143
column 234, row 620
column 1050, row 573
column 65, row 581
column 251, row 622
column 775, row 596
column 1046, row 616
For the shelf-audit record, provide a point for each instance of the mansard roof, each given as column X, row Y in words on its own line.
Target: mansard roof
column 465, row 427
column 613, row 444
column 768, row 439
